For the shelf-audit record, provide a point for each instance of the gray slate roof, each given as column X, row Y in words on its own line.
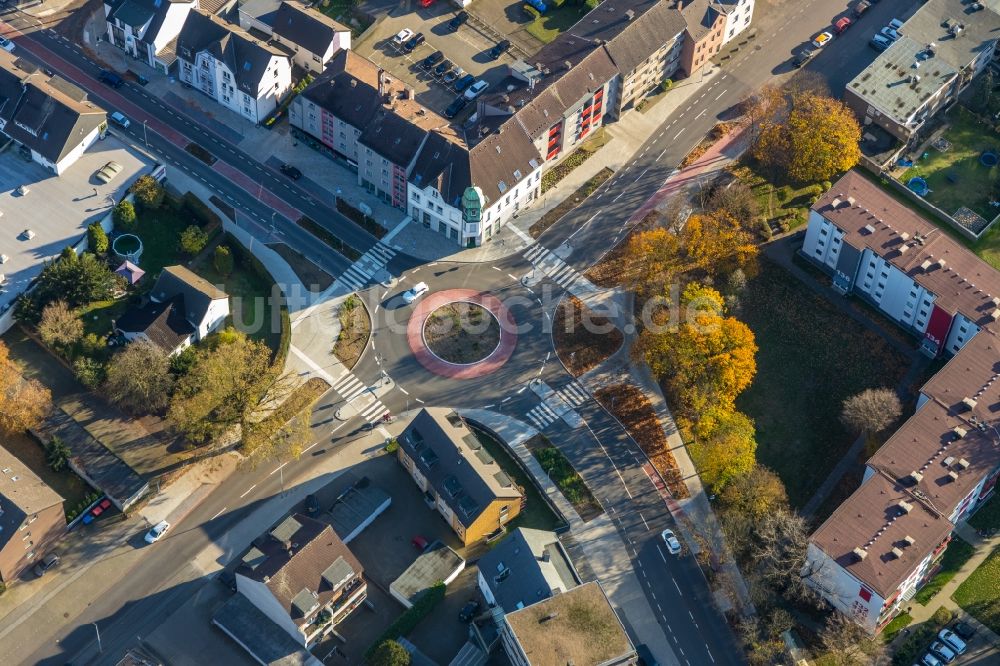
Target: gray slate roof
column 197, row 292
column 306, row 27
column 526, row 567
column 162, row 322
column 136, row 13
column 49, row 115
column 631, row 41
column 246, row 57
column 259, row 635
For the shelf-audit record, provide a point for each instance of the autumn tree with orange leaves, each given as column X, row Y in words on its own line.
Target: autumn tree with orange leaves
column 23, row 402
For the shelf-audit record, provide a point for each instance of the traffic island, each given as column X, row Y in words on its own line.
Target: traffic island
column 462, row 333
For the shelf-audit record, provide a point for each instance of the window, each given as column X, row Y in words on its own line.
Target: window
column 416, row 197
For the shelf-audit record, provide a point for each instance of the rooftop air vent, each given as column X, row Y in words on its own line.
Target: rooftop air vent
column 948, row 461
column 915, row 477
column 897, row 553
column 903, row 236
column 904, row 506
column 925, row 265
column 860, row 554
column 835, row 203
column 953, row 475
column 909, row 540
column 963, row 464
column 959, row 432
column 941, row 263
column 850, row 201
column 969, row 404
column 869, row 229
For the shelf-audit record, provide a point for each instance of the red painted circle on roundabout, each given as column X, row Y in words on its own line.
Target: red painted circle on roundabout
column 492, row 363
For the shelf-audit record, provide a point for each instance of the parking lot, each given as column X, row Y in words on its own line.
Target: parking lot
column 57, row 209
column 466, row 48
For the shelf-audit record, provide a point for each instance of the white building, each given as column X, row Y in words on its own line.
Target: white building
column 147, row 29
column 310, row 35
column 229, row 65
column 739, row 14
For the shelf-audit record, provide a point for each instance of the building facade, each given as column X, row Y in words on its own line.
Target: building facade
column 147, row 29
column 31, row 517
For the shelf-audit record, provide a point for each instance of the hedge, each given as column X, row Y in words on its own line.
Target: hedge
column 410, row 618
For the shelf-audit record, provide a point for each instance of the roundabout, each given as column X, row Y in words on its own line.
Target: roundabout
column 461, row 333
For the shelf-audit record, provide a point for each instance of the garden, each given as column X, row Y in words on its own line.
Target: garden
column 461, row 332
column 559, row 16
column 979, row 594
column 355, row 327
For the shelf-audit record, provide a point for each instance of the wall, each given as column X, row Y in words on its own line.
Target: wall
column 842, row 589
column 489, row 520
column 738, row 20
column 261, row 597
column 70, row 158
column 46, row 526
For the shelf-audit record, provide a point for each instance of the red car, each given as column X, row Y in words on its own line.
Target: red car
column 842, row 25
column 426, row 3
column 419, row 543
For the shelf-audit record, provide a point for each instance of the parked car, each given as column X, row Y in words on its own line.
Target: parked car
column 409, row 296
column 431, row 60
column 443, row 66
column 458, row 20
column 46, row 563
column 861, row 8
column 930, row 660
column 942, row 652
column 499, row 49
column 964, row 629
column 419, row 543
column 291, row 171
column 402, row 37
column 673, row 545
column 889, row 33
column 464, row 82
column 880, row 43
column 842, row 25
column 537, row 4
column 118, row 118
column 822, row 39
column 469, row 611
column 953, row 641
column 804, row 56
column 7, row 45
column 108, row 172
column 312, row 505
column 476, row 89
column 426, row 3
column 453, row 75
column 159, row 529
column 110, row 78
column 455, row 107
column 896, row 24
column 414, row 42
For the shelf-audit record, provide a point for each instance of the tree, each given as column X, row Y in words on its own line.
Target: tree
column 23, row 402
column 755, row 495
column 193, row 240
column 223, row 260
column 89, row 371
column 124, row 215
column 778, row 553
column 389, row 653
column 848, row 644
column 139, row 378
column 97, row 240
column 760, row 108
column 735, row 199
column 148, row 192
column 57, row 454
column 724, row 447
column 716, row 244
column 871, row 410
column 819, row 139
column 60, row 326
column 77, row 280
column 652, row 259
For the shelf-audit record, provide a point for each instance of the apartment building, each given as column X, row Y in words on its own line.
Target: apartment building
column 311, row 36
column 223, row 61
column 147, row 29
column 705, row 34
column 47, row 117
column 457, row 476
column 941, row 48
column 31, row 517
column 526, row 567
column 872, row 555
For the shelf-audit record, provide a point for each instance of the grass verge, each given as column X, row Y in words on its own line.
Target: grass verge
column 957, row 554
column 582, row 339
column 561, row 472
column 570, row 202
column 355, row 327
column 898, row 623
column 357, row 217
column 552, row 177
column 311, row 275
column 979, row 594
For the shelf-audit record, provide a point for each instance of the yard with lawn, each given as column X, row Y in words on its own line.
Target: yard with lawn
column 979, row 595
column 345, row 11
column 956, row 555
column 782, row 205
column 160, row 231
column 812, row 356
column 955, row 175
column 556, row 20
column 987, row 516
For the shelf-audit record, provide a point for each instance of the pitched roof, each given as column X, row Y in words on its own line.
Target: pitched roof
column 137, row 13
column 871, row 218
column 197, row 292
column 162, row 322
column 700, row 16
column 450, row 456
column 527, row 567
column 48, row 114
column 301, row 557
column 245, row 56
column 306, row 27
column 130, row 272
column 22, row 494
column 259, row 634
column 630, row 40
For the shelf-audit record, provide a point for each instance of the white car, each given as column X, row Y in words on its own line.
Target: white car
column 951, row 639
column 159, row 529
column 476, row 89
column 673, row 545
column 822, row 39
column 895, row 24
column 6, row 45
column 930, row 660
column 402, row 37
column 416, row 292
column 942, row 652
column 119, row 119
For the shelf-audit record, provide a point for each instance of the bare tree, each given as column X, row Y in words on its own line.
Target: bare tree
column 761, row 107
column 139, row 378
column 60, row 326
column 848, row 644
column 871, row 411
column 735, row 198
column 779, row 554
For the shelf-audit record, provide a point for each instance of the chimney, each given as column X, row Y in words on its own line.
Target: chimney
column 897, row 553
column 969, row 404
column 630, row 14
column 381, row 85
column 915, row 477
column 959, row 432
column 909, row 540
column 963, row 464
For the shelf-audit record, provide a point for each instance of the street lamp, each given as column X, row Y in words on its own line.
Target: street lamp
column 145, row 136
column 100, row 649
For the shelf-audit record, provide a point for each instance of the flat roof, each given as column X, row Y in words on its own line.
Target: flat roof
column 527, row 566
column 56, row 208
column 354, row 507
column 577, row 627
column 429, row 568
column 259, row 635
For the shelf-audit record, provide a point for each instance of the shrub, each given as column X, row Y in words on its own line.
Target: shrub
column 666, row 85
column 89, row 371
column 193, row 240
column 199, row 210
column 97, row 240
column 389, row 653
column 765, row 230
column 223, row 260
column 392, row 445
column 60, row 327
column 409, row 620
column 827, row 185
column 148, row 192
column 124, row 215
column 57, row 454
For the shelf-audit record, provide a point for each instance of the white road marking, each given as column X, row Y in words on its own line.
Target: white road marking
column 278, row 468
column 678, row 587
column 660, row 156
column 644, row 522
column 627, row 491
column 218, row 514
column 703, row 112
column 709, row 653
column 405, row 392
column 721, row 94
column 692, row 615
column 494, row 268
column 306, row 450
column 248, row 491
column 419, row 400
column 660, row 551
column 511, row 276
column 681, row 130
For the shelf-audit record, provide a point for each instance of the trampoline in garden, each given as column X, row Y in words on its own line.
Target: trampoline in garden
column 918, row 185
column 989, row 159
column 128, row 247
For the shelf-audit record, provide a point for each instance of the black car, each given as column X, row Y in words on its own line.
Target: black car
column 452, row 76
column 964, row 630
column 111, row 78
column 414, row 42
column 464, row 82
column 803, row 57
column 432, row 60
column 499, row 49
column 443, row 66
column 459, row 19
column 469, row 611
column 290, row 171
column 455, row 107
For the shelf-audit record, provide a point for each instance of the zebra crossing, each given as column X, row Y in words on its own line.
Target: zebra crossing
column 541, row 416
column 350, row 387
column 559, row 271
column 574, row 394
column 361, row 271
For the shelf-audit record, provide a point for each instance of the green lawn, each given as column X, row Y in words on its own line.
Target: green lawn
column 973, row 184
column 777, row 201
column 898, row 623
column 979, row 595
column 70, row 487
column 988, row 515
column 160, row 231
column 343, row 11
column 536, row 513
column 957, row 554
column 555, row 20
column 811, row 358
column 915, row 644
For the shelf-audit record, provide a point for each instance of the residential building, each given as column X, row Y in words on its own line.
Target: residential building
column 312, row 36
column 876, row 550
column 147, row 29
column 302, row 577
column 528, row 566
column 705, row 35
column 437, row 564
column 31, row 517
column 739, row 14
column 457, row 475
column 941, row 48
column 183, row 308
column 49, row 119
column 240, row 72
column 576, row 627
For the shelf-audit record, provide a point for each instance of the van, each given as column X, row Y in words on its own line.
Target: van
column 110, row 78
column 118, row 118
